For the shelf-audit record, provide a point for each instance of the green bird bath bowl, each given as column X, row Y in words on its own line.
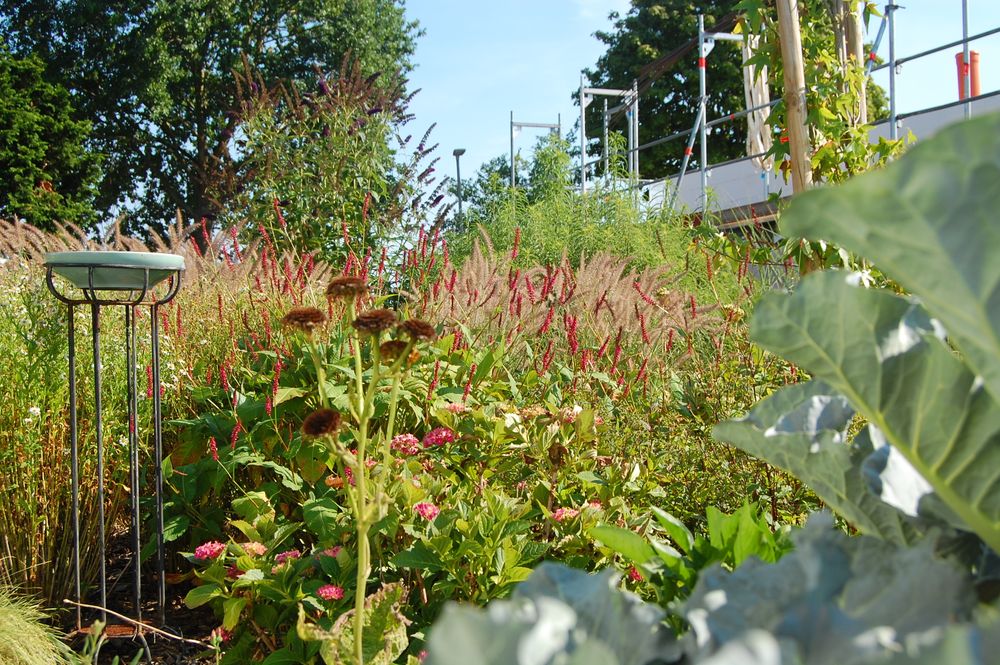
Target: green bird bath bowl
column 114, row 271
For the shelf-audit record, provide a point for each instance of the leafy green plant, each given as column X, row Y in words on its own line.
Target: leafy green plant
column 673, row 569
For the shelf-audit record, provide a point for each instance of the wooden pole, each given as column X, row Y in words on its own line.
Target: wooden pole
column 795, row 94
column 856, row 51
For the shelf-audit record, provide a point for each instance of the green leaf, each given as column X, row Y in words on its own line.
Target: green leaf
column 824, row 599
column 629, row 544
column 200, row 595
column 175, row 527
column 928, row 220
column 320, row 516
column 676, row 529
column 878, row 350
column 802, row 429
column 419, row 556
column 283, row 656
column 247, row 530
column 286, row 393
column 231, row 610
column 384, row 626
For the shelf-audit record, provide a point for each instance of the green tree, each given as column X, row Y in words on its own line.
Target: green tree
column 155, row 77
column 46, row 173
column 650, row 30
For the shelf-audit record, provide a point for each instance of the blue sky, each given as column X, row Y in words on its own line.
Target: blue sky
column 479, row 60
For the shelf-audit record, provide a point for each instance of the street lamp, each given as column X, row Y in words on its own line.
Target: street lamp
column 458, row 152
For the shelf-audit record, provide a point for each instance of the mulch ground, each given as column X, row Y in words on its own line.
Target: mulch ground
column 194, row 624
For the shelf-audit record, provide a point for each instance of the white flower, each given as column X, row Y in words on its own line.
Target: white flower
column 35, row 411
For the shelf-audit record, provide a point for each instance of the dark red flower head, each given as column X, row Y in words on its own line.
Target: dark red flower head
column 320, row 422
column 304, row 318
column 374, row 321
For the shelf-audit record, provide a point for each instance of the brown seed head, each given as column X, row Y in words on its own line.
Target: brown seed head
column 320, row 422
column 346, row 286
column 418, row 329
column 374, row 321
column 304, row 318
column 392, row 349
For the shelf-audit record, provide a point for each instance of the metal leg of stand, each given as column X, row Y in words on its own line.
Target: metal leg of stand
column 158, row 461
column 95, row 319
column 133, row 450
column 75, row 466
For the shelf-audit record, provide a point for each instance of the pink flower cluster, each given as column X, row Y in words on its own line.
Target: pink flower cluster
column 457, row 408
column 287, row 556
column 634, row 574
column 330, row 592
column 406, row 444
column 213, row 549
column 561, row 514
column 331, row 551
column 427, row 510
column 255, row 548
column 438, row 437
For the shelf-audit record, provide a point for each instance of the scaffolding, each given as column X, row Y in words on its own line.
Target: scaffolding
column 699, row 131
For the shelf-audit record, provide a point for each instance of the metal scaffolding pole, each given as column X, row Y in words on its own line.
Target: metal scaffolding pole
column 890, row 12
column 966, row 65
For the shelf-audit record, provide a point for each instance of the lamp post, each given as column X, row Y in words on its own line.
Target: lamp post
column 458, row 152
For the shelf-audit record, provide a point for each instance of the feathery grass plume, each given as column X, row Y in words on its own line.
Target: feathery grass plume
column 25, row 639
column 593, row 301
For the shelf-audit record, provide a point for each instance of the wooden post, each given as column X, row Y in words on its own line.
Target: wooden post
column 856, row 51
column 795, row 94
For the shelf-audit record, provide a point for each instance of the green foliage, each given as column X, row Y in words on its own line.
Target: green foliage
column 673, row 569
column 385, row 631
column 25, row 639
column 840, row 142
column 47, row 175
column 155, row 79
column 652, row 29
column 317, row 172
column 554, row 221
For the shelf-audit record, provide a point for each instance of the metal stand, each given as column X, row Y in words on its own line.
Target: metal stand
column 130, row 299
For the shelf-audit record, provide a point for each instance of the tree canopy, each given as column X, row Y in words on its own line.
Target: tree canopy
column 648, row 31
column 46, row 173
column 155, row 79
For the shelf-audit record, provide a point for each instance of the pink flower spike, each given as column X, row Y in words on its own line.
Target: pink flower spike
column 634, row 574
column 330, row 592
column 213, row 549
column 427, row 510
column 564, row 514
column 438, row 437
